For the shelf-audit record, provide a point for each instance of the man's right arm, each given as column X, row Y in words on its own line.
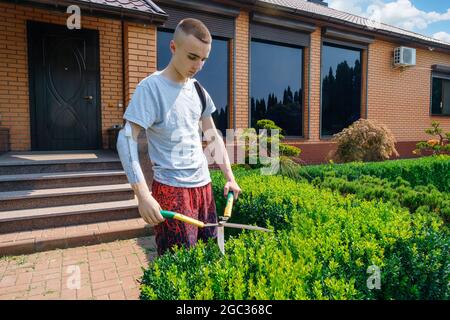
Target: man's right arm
column 127, row 148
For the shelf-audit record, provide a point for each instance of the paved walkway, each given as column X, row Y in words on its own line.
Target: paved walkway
column 104, row 271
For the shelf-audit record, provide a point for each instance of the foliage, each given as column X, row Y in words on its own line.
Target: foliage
column 364, row 140
column 434, row 170
column 321, row 248
column 439, row 144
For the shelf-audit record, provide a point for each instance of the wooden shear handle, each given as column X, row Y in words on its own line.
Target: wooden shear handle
column 229, row 205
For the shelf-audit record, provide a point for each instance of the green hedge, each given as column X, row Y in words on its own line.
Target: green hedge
column 424, row 198
column 321, row 249
column 434, row 170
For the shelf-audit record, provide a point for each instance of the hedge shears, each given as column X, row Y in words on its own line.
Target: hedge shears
column 220, row 225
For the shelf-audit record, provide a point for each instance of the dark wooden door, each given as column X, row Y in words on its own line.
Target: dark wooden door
column 64, row 87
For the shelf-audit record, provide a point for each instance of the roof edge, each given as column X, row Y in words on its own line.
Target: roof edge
column 256, row 4
column 99, row 9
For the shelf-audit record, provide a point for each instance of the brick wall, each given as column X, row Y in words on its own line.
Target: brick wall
column 401, row 99
column 242, row 84
column 140, row 55
column 14, row 91
column 314, row 104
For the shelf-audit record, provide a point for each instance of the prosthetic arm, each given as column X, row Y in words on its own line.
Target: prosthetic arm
column 127, row 147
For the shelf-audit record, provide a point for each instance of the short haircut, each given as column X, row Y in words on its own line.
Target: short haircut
column 195, row 27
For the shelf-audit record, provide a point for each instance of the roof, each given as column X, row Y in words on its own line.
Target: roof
column 133, row 10
column 137, row 5
column 310, row 8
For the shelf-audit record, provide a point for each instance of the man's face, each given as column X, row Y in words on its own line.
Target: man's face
column 189, row 55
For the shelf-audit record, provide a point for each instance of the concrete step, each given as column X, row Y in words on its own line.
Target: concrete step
column 44, row 198
column 37, row 181
column 17, row 243
column 58, row 166
column 60, row 216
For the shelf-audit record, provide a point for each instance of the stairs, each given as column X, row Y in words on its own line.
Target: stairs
column 55, row 200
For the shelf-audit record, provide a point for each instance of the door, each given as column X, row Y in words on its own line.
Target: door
column 64, row 87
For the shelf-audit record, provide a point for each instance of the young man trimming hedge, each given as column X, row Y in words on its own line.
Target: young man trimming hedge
column 167, row 105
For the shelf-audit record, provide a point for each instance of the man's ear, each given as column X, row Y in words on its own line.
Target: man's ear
column 172, row 46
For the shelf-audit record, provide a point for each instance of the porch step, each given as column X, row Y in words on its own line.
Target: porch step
column 32, row 199
column 60, row 216
column 35, row 181
column 27, row 162
column 57, row 199
column 72, row 236
column 58, row 166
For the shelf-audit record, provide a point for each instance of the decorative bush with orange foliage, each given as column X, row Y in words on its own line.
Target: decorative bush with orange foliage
column 439, row 145
column 364, row 140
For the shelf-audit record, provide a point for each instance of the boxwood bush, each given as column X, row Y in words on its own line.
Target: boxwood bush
column 434, row 170
column 322, row 247
column 424, row 198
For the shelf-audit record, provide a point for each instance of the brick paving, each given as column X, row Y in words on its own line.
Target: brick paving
column 107, row 271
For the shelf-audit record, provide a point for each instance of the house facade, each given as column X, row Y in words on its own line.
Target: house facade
column 312, row 69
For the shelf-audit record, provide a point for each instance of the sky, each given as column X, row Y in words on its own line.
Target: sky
column 427, row 17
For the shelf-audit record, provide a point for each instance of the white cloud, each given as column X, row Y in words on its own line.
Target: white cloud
column 400, row 13
column 443, row 36
column 351, row 6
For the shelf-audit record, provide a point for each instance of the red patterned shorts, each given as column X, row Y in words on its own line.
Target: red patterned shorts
column 197, row 203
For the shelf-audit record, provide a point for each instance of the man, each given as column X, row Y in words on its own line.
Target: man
column 167, row 105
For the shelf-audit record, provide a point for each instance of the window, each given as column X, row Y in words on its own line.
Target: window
column 341, row 88
column 213, row 76
column 440, row 96
column 276, row 85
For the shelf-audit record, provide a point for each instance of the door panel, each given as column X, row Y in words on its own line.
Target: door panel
column 64, row 87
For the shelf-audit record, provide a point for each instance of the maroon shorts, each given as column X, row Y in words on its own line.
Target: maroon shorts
column 197, row 203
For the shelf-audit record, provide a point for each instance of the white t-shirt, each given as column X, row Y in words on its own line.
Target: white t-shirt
column 170, row 112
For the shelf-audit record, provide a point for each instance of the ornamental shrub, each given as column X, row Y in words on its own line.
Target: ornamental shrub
column 322, row 246
column 364, row 140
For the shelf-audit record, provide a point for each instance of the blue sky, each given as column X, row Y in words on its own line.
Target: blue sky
column 428, row 17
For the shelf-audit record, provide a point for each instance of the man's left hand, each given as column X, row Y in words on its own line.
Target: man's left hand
column 232, row 186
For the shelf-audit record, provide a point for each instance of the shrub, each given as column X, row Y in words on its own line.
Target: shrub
column 250, row 135
column 433, row 170
column 426, row 198
column 438, row 144
column 321, row 249
column 364, row 140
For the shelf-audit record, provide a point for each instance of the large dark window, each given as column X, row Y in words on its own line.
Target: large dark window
column 341, row 88
column 213, row 76
column 440, row 98
column 276, row 85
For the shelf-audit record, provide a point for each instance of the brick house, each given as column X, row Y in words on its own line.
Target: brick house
column 312, row 69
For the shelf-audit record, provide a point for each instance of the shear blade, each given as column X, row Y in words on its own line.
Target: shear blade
column 237, row 226
column 221, row 239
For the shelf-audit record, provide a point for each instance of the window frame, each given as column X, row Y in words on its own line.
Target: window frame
column 344, row 45
column 302, row 82
column 436, row 75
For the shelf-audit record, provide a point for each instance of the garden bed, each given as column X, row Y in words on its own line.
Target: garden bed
column 327, row 244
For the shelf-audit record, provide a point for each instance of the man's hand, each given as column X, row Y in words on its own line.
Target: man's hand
column 149, row 210
column 232, row 185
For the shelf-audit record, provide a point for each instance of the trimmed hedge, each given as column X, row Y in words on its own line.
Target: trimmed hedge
column 322, row 248
column 423, row 198
column 434, row 170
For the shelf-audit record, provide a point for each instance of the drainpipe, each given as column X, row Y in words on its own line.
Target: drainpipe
column 123, row 69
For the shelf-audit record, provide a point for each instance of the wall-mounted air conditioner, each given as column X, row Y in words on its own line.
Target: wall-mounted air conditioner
column 404, row 57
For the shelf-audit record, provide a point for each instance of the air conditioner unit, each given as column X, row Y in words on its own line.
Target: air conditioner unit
column 404, row 56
